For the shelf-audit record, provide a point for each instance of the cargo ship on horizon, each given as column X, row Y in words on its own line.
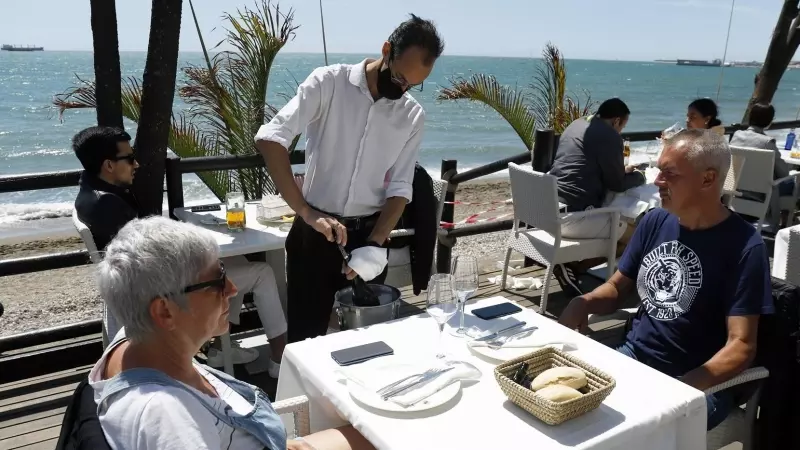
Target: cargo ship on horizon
column 12, row 48
column 697, row 62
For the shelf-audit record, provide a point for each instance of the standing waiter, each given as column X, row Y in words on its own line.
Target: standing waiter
column 364, row 132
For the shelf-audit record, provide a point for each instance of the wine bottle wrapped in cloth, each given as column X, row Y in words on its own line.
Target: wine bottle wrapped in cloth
column 368, row 262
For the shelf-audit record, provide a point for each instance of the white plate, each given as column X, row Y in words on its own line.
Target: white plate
column 372, row 399
column 507, row 354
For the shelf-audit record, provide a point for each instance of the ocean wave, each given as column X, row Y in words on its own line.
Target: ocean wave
column 40, row 152
column 19, row 212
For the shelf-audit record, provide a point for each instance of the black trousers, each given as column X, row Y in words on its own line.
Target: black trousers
column 314, row 275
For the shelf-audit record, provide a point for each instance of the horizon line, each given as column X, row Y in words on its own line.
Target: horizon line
column 659, row 60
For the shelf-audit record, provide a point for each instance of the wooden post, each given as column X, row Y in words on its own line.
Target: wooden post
column 174, row 184
column 542, row 160
column 543, row 151
column 444, row 246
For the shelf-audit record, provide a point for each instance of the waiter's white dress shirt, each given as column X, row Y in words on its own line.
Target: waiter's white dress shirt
column 359, row 152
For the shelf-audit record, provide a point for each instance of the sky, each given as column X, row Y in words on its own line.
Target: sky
column 634, row 30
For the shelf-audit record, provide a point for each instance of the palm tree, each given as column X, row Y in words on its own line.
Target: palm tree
column 106, row 62
column 158, row 93
column 545, row 105
column 226, row 97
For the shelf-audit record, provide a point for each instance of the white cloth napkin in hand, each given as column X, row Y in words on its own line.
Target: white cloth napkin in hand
column 368, row 262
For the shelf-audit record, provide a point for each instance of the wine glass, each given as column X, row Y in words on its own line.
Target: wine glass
column 465, row 282
column 442, row 303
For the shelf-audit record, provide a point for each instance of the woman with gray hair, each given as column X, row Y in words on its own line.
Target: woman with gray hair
column 164, row 282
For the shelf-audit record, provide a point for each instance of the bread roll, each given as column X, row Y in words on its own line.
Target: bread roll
column 558, row 393
column 566, row 376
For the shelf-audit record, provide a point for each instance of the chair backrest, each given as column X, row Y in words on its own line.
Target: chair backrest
column 86, row 236
column 439, row 191
column 755, row 177
column 535, row 196
column 732, row 179
column 792, row 264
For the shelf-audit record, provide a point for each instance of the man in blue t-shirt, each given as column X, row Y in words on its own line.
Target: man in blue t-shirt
column 701, row 271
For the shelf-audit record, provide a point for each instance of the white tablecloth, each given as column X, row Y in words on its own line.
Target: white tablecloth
column 646, row 410
column 786, row 155
column 253, row 239
column 638, row 200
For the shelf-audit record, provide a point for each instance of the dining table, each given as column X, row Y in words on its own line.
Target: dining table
column 646, row 409
column 254, row 238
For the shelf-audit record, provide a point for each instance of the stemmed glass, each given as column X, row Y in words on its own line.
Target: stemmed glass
column 442, row 303
column 465, row 282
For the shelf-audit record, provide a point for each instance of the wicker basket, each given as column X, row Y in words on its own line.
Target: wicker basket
column 599, row 386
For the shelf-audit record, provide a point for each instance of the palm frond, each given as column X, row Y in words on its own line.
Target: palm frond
column 509, row 102
column 552, row 106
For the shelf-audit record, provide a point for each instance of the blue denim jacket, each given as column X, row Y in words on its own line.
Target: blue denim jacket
column 262, row 422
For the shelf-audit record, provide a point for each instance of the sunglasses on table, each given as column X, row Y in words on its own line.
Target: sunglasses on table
column 218, row 283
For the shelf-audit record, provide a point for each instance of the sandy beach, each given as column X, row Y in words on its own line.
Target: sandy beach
column 58, row 297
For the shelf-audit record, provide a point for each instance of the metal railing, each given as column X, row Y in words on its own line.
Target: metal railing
column 544, row 151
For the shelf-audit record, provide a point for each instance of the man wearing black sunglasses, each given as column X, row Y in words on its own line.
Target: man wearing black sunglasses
column 105, row 203
column 364, row 131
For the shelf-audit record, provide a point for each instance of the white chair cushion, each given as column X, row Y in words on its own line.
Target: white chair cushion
column 541, row 244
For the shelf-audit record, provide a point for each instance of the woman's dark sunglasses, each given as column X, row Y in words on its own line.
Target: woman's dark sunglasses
column 218, row 283
column 130, row 157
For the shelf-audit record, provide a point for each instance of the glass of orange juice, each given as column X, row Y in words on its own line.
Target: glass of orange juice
column 235, row 215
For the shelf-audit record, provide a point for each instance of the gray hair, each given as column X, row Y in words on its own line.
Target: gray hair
column 151, row 258
column 705, row 149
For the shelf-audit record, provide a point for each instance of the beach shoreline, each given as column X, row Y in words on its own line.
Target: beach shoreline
column 57, row 297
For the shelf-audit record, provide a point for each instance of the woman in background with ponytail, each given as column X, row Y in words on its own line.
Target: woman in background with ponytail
column 702, row 113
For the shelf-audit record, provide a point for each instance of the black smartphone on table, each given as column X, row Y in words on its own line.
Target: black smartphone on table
column 205, row 208
column 495, row 311
column 361, row 353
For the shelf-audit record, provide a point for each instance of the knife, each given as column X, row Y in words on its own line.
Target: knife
column 489, row 337
column 423, row 380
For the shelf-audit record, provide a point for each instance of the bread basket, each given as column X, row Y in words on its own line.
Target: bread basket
column 599, row 386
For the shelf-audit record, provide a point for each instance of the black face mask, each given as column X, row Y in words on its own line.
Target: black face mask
column 386, row 87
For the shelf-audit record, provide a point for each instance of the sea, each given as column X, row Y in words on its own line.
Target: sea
column 33, row 138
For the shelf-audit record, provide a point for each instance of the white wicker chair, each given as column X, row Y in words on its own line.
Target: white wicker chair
column 399, row 274
column 739, row 426
column 110, row 326
column 298, row 408
column 787, row 269
column 536, row 205
column 756, row 177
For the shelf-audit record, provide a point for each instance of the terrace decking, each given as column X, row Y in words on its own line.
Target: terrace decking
column 31, row 410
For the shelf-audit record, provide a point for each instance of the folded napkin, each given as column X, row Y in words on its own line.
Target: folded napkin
column 368, row 262
column 374, row 379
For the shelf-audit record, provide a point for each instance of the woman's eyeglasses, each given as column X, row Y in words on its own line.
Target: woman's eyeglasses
column 218, row 283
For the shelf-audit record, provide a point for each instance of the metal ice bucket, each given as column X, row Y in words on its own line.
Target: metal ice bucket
column 352, row 316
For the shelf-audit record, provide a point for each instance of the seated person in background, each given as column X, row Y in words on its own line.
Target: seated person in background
column 589, row 163
column 701, row 271
column 761, row 116
column 164, row 281
column 702, row 114
column 105, row 204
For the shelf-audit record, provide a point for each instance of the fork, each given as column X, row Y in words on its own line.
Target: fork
column 391, row 386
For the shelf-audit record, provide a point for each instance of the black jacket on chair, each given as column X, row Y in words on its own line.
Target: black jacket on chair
column 779, row 351
column 104, row 208
column 420, row 215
